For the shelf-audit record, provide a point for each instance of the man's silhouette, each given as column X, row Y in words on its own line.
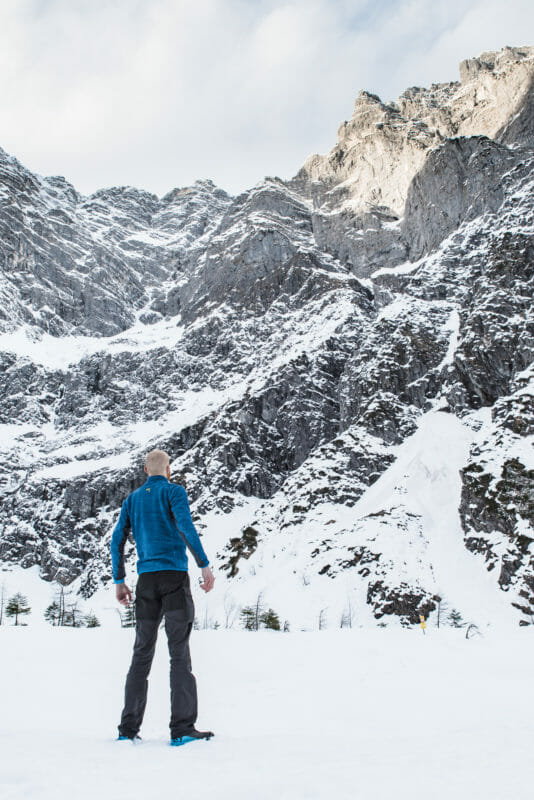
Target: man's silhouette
column 158, row 516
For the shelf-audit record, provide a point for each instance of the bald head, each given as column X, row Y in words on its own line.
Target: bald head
column 157, row 462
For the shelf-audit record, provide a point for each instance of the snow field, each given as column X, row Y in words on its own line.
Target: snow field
column 368, row 714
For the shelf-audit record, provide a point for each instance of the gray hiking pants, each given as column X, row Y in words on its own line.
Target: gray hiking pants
column 167, row 594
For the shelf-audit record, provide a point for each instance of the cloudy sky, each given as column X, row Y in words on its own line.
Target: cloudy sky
column 158, row 93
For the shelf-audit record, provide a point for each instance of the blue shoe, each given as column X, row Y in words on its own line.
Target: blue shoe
column 191, row 736
column 122, row 738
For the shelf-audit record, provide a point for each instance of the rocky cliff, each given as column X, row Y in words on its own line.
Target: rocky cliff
column 301, row 350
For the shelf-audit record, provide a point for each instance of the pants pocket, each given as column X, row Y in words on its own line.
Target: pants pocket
column 189, row 604
column 180, row 601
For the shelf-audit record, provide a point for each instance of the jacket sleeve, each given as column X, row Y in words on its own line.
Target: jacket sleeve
column 118, row 541
column 182, row 514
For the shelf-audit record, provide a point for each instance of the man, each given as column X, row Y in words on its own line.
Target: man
column 158, row 516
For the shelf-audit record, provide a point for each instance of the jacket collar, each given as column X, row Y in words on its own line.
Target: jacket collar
column 154, row 478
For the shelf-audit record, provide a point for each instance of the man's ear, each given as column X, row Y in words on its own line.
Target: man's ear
column 145, row 469
column 169, row 471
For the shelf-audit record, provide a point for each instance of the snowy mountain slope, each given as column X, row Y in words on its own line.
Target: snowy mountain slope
column 497, row 506
column 93, row 265
column 285, row 346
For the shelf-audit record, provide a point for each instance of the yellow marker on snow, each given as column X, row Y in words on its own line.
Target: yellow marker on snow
column 422, row 622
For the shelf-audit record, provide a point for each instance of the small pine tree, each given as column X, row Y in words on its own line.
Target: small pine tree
column 16, row 606
column 251, row 615
column 248, row 619
column 270, row 619
column 92, row 621
column 455, row 619
column 128, row 618
column 52, row 613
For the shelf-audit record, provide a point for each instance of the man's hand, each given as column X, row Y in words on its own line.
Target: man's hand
column 123, row 593
column 207, row 579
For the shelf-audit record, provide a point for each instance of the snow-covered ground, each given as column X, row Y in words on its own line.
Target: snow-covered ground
column 367, row 714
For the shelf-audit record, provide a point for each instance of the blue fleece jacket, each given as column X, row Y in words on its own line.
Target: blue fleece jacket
column 158, row 516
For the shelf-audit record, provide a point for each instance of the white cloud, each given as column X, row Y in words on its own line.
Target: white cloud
column 157, row 93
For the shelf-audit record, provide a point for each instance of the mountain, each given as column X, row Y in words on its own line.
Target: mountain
column 341, row 364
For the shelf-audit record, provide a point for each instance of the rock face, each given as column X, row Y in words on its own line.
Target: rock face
column 292, row 347
column 497, row 506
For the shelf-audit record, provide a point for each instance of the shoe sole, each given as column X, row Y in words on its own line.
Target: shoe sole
column 186, row 739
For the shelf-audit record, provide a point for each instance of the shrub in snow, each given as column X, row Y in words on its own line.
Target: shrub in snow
column 455, row 618
column 270, row 619
column 17, row 606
